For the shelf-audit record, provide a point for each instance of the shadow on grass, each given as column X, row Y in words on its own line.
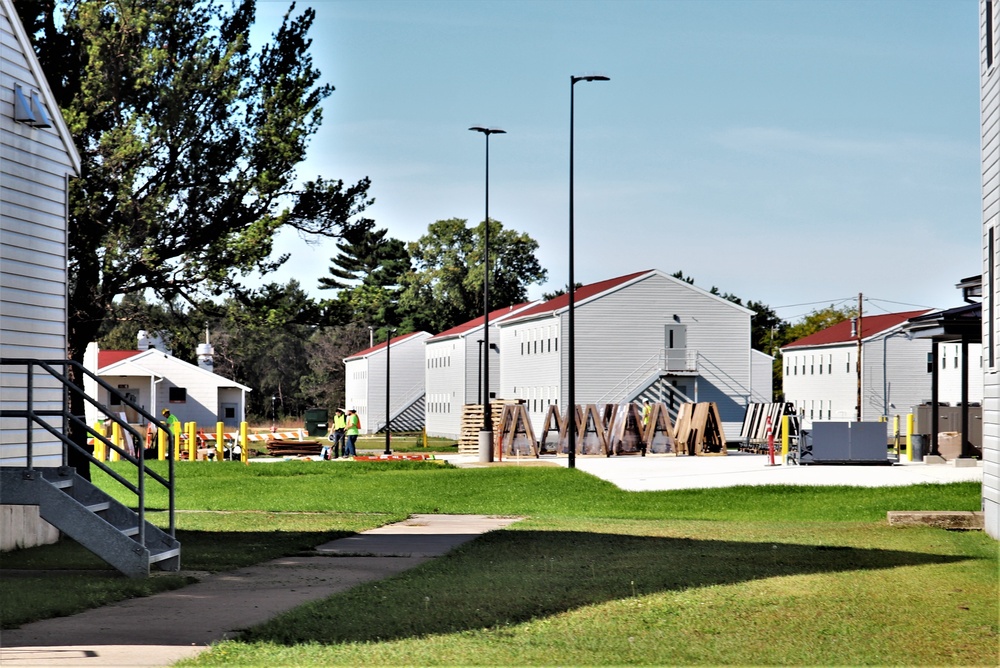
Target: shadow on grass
column 200, row 551
column 509, row 577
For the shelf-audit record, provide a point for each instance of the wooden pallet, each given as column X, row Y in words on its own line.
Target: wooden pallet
column 472, row 423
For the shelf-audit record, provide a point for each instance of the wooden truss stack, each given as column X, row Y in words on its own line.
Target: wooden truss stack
column 616, row 430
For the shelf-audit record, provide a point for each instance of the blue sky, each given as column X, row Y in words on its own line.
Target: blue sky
column 789, row 152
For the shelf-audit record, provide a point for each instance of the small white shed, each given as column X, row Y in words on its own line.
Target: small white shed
column 155, row 380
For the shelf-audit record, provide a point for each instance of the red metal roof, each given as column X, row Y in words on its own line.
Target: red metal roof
column 379, row 346
column 841, row 332
column 478, row 322
column 109, row 357
column 580, row 294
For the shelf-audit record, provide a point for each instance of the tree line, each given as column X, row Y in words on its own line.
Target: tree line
column 191, row 138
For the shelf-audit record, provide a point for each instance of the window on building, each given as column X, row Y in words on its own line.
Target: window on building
column 177, row 395
column 989, row 33
column 991, row 261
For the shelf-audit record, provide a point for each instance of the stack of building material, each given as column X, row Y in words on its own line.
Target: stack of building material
column 625, row 434
column 281, row 448
column 659, row 431
column 514, row 434
column 754, row 431
column 553, row 432
column 472, row 423
column 699, row 430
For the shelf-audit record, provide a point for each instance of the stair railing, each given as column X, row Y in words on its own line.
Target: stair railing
column 36, row 416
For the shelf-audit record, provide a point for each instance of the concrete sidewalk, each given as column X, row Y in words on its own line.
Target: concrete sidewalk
column 161, row 629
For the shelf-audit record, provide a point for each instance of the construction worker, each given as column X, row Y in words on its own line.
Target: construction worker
column 647, row 408
column 338, row 433
column 352, row 429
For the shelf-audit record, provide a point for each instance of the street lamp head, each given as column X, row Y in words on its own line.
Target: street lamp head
column 589, row 77
column 488, row 131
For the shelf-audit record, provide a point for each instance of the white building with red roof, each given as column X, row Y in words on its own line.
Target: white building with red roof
column 642, row 335
column 454, row 370
column 156, row 380
column 820, row 371
column 366, row 381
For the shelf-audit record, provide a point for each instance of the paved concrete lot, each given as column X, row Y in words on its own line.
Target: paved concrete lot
column 664, row 472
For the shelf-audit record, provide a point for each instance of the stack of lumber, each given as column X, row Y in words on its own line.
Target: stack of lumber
column 754, row 430
column 699, row 430
column 514, row 434
column 472, row 423
column 281, row 448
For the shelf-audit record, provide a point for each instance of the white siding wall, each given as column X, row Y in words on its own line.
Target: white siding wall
column 623, row 331
column 823, row 385
column 34, row 165
column 407, row 383
column 532, row 357
column 356, row 387
column 619, row 333
column 762, row 369
column 950, row 373
column 821, row 382
column 906, row 367
column 990, row 116
column 446, row 379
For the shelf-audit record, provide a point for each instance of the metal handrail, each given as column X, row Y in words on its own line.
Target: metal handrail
column 36, row 417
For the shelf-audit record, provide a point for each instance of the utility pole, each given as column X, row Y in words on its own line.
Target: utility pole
column 859, row 357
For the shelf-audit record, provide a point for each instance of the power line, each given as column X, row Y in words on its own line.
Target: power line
column 825, row 301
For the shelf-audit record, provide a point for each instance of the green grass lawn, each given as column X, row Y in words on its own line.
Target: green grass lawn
column 595, row 575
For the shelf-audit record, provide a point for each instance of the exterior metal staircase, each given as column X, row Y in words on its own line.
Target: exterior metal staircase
column 111, row 530
column 92, row 518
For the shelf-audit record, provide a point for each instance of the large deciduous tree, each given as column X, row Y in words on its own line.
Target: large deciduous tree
column 189, row 139
column 446, row 288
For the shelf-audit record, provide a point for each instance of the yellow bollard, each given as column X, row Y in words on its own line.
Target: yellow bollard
column 909, row 437
column 784, row 438
column 192, row 435
column 244, row 449
column 424, row 433
column 116, row 438
column 161, row 444
column 220, row 439
column 100, row 450
column 175, row 427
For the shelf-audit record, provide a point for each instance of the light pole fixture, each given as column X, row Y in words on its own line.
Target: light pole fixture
column 388, row 342
column 480, row 395
column 571, row 334
column 486, row 435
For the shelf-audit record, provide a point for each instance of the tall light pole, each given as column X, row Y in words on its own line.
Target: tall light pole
column 571, row 334
column 388, row 343
column 480, row 395
column 486, row 435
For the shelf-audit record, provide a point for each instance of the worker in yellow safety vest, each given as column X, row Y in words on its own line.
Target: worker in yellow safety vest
column 352, row 430
column 338, row 434
column 646, row 410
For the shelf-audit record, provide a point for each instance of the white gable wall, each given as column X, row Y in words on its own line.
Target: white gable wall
column 621, row 332
column 34, row 166
column 990, row 118
column 366, row 380
column 356, row 386
column 446, row 381
column 529, row 365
